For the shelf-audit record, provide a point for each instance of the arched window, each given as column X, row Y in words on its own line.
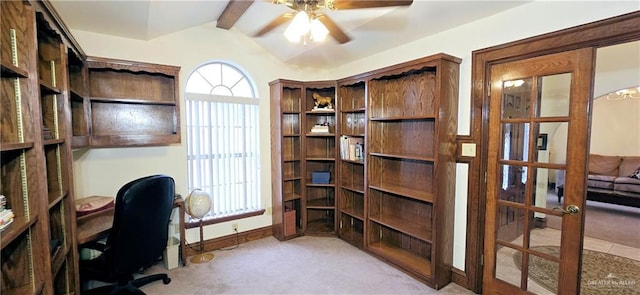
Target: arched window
column 223, row 152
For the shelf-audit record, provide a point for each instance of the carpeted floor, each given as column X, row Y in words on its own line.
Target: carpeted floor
column 613, row 223
column 602, row 273
column 305, row 265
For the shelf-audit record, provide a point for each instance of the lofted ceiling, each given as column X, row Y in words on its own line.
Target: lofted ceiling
column 371, row 30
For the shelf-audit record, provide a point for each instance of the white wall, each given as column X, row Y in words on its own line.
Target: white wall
column 614, row 127
column 614, row 124
column 102, row 171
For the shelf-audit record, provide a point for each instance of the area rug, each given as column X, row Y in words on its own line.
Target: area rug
column 602, row 273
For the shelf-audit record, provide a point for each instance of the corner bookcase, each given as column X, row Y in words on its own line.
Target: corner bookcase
column 300, row 204
column 38, row 247
column 390, row 151
column 319, row 152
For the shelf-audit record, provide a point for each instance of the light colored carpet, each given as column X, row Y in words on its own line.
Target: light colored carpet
column 304, row 265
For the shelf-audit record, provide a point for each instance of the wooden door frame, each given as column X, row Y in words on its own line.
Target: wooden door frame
column 610, row 31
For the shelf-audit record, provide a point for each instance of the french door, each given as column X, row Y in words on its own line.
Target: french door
column 538, row 136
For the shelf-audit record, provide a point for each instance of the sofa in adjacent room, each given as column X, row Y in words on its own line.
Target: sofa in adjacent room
column 612, row 179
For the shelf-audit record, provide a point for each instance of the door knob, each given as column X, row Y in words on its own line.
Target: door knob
column 571, row 209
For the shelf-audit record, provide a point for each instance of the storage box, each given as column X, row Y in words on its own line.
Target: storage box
column 320, row 177
column 289, row 222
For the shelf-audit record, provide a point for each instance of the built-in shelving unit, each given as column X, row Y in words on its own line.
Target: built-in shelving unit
column 303, row 204
column 132, row 103
column 410, row 164
column 38, row 247
column 25, row 237
column 351, row 185
column 54, row 99
column 319, row 157
column 79, row 100
column 56, row 140
column 286, row 158
column 390, row 150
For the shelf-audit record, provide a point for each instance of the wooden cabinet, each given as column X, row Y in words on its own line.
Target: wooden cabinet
column 132, row 103
column 390, row 150
column 38, row 248
column 286, row 158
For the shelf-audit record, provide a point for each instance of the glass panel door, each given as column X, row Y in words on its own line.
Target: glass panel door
column 534, row 103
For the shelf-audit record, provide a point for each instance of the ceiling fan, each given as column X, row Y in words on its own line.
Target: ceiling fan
column 308, row 22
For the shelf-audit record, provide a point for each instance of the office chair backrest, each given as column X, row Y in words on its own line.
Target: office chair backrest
column 140, row 224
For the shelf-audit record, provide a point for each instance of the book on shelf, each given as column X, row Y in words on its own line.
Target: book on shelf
column 320, row 128
column 6, row 218
column 6, row 214
column 6, row 224
column 351, row 148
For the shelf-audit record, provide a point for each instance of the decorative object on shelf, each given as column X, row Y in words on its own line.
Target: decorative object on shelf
column 197, row 205
column 321, row 177
column 359, row 151
column 320, row 102
column 321, row 128
column 351, row 148
column 289, row 222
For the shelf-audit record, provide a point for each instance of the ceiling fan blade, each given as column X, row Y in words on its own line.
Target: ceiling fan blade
column 234, row 10
column 283, row 18
column 334, row 30
column 354, row 4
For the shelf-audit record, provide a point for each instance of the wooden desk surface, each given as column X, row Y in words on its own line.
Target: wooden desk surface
column 93, row 226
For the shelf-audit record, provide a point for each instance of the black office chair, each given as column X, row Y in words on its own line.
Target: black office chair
column 136, row 240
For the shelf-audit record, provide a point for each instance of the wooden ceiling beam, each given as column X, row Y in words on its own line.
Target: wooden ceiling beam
column 234, row 10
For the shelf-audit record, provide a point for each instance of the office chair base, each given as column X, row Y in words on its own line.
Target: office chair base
column 130, row 287
column 202, row 257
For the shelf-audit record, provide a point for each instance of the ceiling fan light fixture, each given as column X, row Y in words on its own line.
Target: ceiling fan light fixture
column 298, row 28
column 318, row 31
column 305, row 28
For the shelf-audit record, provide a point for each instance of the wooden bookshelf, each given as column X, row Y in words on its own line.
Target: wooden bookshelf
column 286, row 158
column 131, row 103
column 320, row 154
column 36, row 162
column 47, row 109
column 351, row 186
column 410, row 161
column 390, row 150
